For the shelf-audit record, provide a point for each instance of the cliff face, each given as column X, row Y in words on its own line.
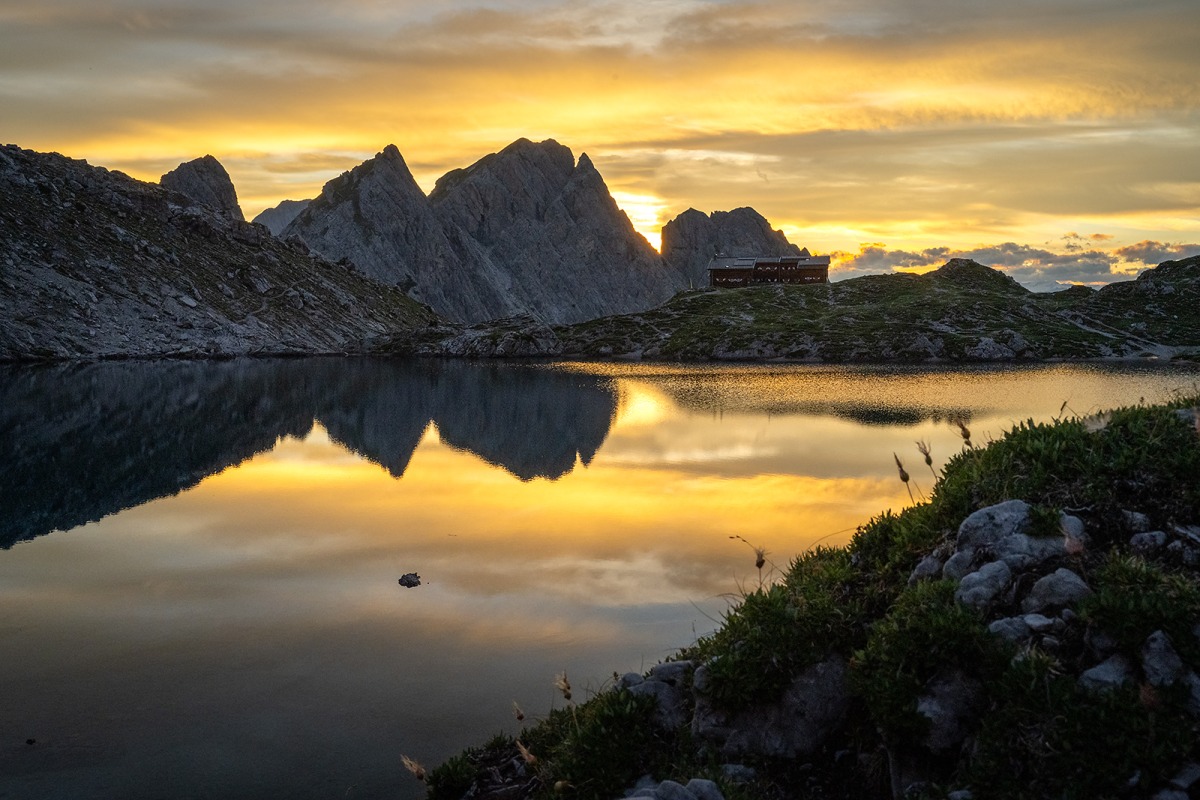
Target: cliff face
column 96, row 264
column 523, row 231
column 205, row 181
column 690, row 240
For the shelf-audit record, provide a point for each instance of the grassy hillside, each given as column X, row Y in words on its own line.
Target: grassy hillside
column 962, row 311
column 942, row 685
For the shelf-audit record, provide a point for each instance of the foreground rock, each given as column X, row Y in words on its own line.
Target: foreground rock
column 94, row 264
column 526, row 231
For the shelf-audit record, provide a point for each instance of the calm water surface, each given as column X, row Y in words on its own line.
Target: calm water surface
column 198, row 586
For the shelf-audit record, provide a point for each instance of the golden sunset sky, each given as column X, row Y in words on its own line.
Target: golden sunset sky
column 1057, row 138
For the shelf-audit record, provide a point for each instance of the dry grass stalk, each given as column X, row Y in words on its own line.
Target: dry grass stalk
column 923, row 449
column 414, row 767
column 529, row 757
column 563, row 685
column 904, row 476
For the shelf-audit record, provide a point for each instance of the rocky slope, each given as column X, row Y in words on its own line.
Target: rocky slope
column 1030, row 631
column 691, row 240
column 526, row 231
column 95, row 264
column 962, row 311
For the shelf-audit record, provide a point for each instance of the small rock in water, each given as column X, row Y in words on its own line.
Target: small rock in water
column 410, row 580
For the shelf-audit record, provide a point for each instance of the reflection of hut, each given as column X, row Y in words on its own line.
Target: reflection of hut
column 728, row 271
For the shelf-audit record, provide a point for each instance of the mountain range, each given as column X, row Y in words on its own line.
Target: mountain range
column 524, row 253
column 94, row 264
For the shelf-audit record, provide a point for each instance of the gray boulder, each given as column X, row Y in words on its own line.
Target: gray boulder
column 696, row 789
column 987, row 526
column 205, row 181
column 1107, row 675
column 959, row 565
column 951, row 703
column 666, row 685
column 1148, row 542
column 1002, row 531
column 1135, row 521
column 812, row 708
column 1013, row 629
column 929, row 568
column 1060, row 588
column 982, row 587
column 1161, row 665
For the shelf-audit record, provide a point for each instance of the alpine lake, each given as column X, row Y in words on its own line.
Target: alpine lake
column 200, row 589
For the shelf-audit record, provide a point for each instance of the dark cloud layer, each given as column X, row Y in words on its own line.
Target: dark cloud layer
column 917, row 122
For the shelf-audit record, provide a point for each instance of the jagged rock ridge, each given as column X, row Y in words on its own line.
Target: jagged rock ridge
column 95, row 264
column 691, row 240
column 527, row 230
column 205, row 181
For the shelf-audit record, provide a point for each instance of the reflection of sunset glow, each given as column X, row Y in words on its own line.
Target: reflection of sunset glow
column 640, row 404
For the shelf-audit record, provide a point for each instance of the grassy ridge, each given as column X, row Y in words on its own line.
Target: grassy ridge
column 962, row 311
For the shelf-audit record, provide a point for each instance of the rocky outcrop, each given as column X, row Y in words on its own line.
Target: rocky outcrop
column 526, row 231
column 205, row 181
column 96, row 264
column 691, row 240
column 277, row 218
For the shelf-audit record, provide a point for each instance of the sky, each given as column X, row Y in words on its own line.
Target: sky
column 1057, row 139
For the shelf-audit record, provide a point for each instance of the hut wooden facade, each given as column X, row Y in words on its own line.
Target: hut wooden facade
column 726, row 271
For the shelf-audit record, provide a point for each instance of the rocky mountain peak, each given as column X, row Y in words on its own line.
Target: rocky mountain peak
column 205, row 181
column 386, row 171
column 526, row 230
column 690, row 240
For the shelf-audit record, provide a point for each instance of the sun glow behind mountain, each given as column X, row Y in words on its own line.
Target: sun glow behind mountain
column 923, row 126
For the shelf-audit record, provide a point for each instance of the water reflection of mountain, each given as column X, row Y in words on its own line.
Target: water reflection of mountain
column 82, row 442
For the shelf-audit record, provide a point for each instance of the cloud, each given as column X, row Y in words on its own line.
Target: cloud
column 1037, row 268
column 919, row 123
column 1151, row 253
